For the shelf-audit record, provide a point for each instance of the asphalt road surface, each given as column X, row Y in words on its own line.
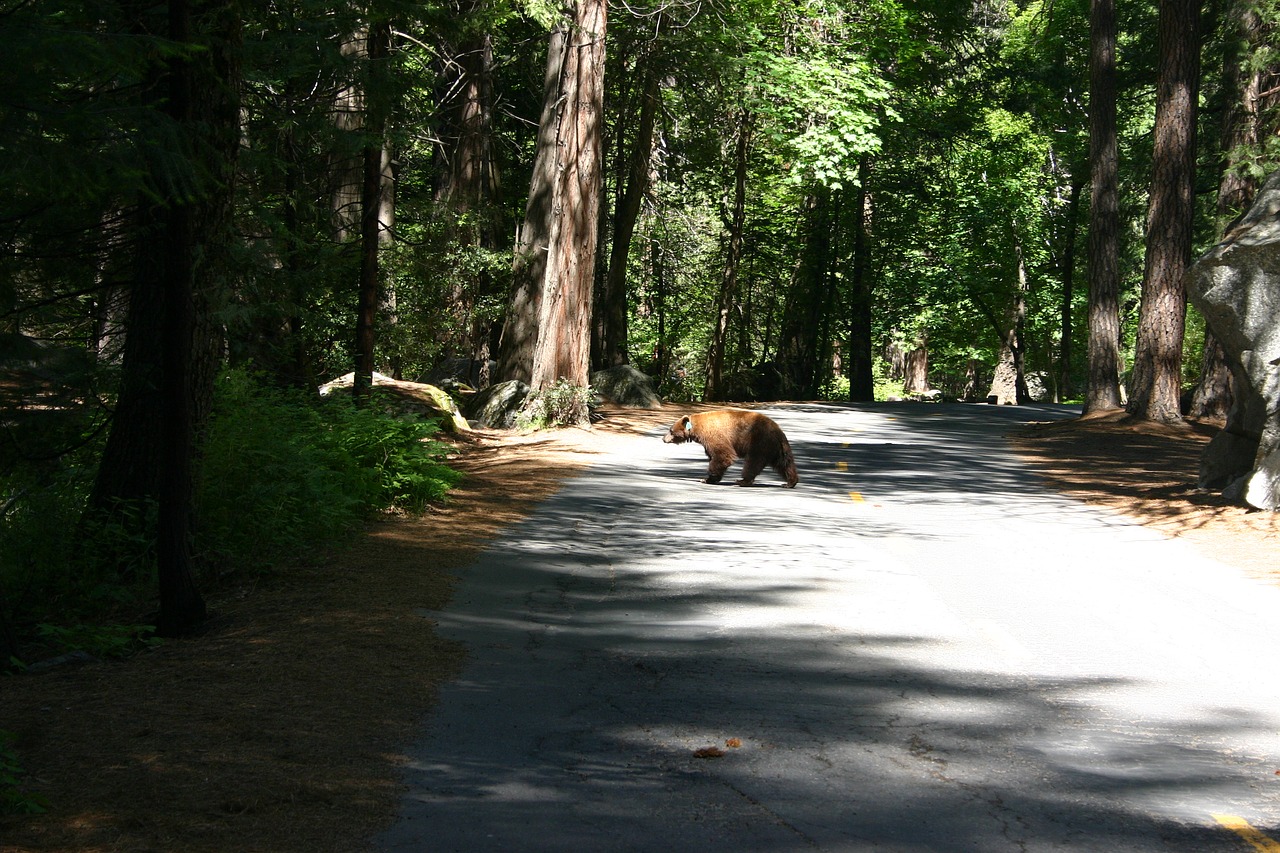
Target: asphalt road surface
column 919, row 648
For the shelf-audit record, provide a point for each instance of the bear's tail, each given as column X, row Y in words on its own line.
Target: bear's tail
column 787, row 465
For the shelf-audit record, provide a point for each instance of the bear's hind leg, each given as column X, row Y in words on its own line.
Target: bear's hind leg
column 751, row 468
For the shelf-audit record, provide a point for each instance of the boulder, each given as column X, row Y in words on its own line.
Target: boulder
column 496, row 407
column 455, row 371
column 1236, row 286
column 625, row 386
column 412, row 398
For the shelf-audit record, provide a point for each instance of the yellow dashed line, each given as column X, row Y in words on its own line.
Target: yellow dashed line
column 842, row 466
column 1251, row 836
column 856, row 497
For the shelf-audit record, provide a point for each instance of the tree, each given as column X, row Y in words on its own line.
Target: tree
column 612, row 306
column 861, row 364
column 562, row 349
column 374, row 212
column 735, row 225
column 1102, row 389
column 182, row 238
column 529, row 261
column 1157, row 374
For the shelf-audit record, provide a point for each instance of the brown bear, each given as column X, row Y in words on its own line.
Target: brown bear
column 729, row 434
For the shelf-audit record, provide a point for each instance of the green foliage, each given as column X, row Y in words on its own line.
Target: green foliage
column 562, row 404
column 283, row 474
column 398, row 451
column 14, row 797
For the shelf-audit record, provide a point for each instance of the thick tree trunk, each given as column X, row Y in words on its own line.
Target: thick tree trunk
column 520, row 329
column 915, row 371
column 728, row 294
column 1103, row 389
column 1157, row 370
column 171, row 348
column 861, row 364
column 563, row 347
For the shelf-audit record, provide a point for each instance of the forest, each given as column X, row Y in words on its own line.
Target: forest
column 211, row 208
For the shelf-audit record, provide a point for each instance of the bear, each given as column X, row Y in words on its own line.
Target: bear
column 729, row 434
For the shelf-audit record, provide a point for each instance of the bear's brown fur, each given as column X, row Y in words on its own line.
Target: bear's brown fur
column 729, row 434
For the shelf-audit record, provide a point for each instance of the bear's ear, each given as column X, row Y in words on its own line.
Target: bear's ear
column 688, row 424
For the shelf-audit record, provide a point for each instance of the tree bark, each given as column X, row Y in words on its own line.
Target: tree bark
column 468, row 186
column 377, row 51
column 1103, row 389
column 1067, row 268
column 728, row 294
column 915, row 371
column 1157, row 370
column 171, row 347
column 861, row 364
column 520, row 329
column 563, row 347
column 1213, row 394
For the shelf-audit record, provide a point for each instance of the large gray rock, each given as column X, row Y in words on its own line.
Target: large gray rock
column 496, row 407
column 626, row 386
column 1236, row 286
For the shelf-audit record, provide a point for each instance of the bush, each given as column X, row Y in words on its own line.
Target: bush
column 283, row 472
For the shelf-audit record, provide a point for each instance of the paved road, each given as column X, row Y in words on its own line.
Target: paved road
column 918, row 649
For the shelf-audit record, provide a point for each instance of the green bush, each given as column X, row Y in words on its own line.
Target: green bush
column 283, row 472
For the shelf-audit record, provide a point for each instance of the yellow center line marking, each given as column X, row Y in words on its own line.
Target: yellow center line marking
column 856, row 497
column 1255, row 839
column 842, row 466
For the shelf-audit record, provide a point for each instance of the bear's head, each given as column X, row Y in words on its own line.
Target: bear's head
column 680, row 432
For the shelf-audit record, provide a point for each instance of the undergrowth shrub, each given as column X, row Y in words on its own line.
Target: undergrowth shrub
column 283, row 473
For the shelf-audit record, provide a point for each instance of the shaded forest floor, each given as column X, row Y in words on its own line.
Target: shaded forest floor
column 279, row 728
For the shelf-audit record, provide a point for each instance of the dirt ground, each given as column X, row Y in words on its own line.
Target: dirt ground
column 278, row 729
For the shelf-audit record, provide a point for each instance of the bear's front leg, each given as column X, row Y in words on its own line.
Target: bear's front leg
column 719, row 463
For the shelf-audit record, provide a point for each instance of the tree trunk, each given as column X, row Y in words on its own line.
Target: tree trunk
column 1004, row 382
column 1103, row 389
column 171, row 348
column 377, row 51
column 468, row 188
column 728, row 294
column 1067, row 268
column 563, row 347
column 861, row 364
column 520, row 329
column 915, row 371
column 1157, row 370
column 1213, row 395
column 613, row 307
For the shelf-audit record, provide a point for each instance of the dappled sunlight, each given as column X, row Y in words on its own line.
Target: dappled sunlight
column 670, row 662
